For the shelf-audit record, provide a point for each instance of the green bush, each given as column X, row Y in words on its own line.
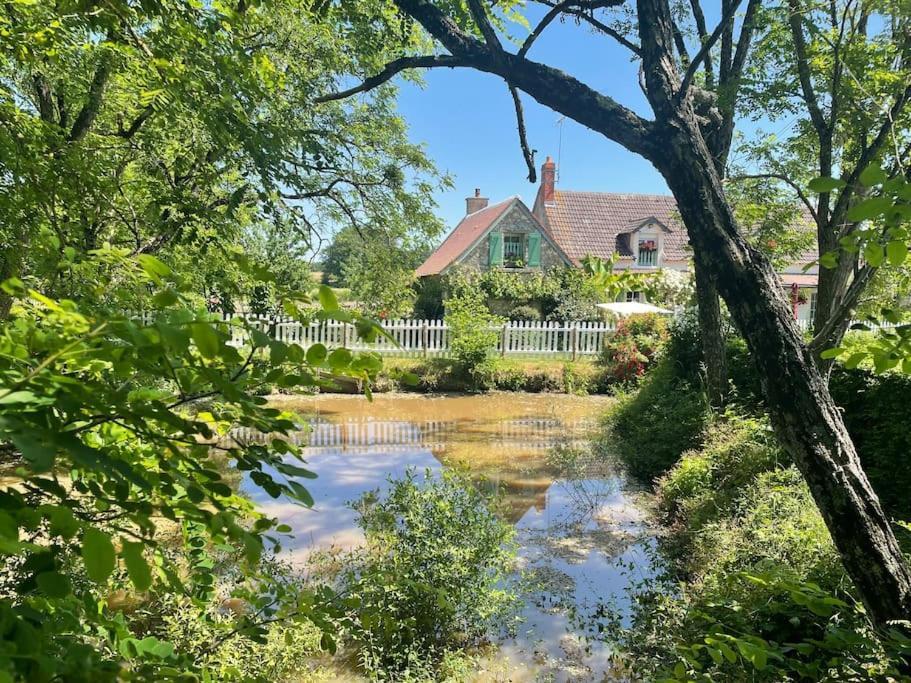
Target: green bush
column 525, row 312
column 766, row 594
column 875, row 409
column 705, row 483
column 433, row 578
column 471, row 339
column 651, row 428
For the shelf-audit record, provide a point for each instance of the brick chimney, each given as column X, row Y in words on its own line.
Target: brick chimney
column 548, row 177
column 475, row 203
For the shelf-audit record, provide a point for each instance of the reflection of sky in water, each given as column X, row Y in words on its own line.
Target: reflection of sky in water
column 582, row 542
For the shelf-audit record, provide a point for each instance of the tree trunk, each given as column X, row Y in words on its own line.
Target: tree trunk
column 714, row 353
column 803, row 414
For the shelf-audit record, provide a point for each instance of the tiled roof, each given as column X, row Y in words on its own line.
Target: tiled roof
column 599, row 223
column 462, row 237
column 800, row 279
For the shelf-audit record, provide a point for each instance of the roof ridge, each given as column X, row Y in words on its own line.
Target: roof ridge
column 617, row 194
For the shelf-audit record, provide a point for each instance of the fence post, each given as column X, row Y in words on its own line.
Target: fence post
column 503, row 337
column 574, row 340
column 425, row 333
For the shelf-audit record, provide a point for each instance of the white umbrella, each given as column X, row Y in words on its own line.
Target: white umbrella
column 625, row 308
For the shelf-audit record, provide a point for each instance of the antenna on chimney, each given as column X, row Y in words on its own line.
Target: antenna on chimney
column 560, row 122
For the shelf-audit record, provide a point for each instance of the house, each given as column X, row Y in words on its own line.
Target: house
column 642, row 231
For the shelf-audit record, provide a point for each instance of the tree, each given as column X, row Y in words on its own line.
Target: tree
column 174, row 127
column 840, row 74
column 686, row 142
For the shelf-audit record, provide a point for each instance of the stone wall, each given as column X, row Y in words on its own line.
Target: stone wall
column 514, row 221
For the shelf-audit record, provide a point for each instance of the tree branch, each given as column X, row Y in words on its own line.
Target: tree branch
column 89, row 111
column 527, row 153
column 549, row 86
column 577, row 9
column 803, row 68
column 479, row 14
column 844, row 308
column 706, row 48
column 392, row 69
column 702, row 29
column 869, row 154
column 787, row 181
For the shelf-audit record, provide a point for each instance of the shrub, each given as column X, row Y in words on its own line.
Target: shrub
column 767, row 595
column 471, row 339
column 705, row 483
column 875, row 409
column 433, row 578
column 634, row 346
column 525, row 312
column 651, row 428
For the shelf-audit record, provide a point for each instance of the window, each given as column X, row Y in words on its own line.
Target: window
column 514, row 250
column 812, row 307
column 634, row 296
column 648, row 252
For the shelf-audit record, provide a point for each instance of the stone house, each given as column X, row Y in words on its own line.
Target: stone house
column 642, row 231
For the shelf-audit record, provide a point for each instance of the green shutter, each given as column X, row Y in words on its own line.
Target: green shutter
column 495, row 255
column 534, row 249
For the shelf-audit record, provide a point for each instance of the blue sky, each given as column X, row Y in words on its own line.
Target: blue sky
column 466, row 120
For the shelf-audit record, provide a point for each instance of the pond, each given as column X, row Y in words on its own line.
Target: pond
column 584, row 541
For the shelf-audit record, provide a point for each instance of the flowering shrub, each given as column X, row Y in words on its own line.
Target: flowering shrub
column 634, row 345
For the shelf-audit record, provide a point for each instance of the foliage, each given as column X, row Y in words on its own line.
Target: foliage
column 766, row 593
column 111, row 454
column 172, row 128
column 874, row 407
column 671, row 288
column 651, row 428
column 706, row 482
column 432, row 579
column 381, row 278
column 561, row 293
column 634, row 346
column 207, row 632
column 472, row 332
column 525, row 312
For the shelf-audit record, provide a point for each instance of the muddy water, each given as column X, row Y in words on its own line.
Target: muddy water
column 584, row 541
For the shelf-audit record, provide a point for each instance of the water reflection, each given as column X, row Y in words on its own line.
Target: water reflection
column 582, row 532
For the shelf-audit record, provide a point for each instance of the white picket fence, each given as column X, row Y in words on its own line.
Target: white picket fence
column 425, row 338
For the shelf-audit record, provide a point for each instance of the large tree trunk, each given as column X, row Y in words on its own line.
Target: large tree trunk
column 803, row 414
column 714, row 353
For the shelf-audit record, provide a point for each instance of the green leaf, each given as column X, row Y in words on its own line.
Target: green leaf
column 828, row 354
column 896, row 252
column 153, row 267
column 873, row 253
column 855, row 359
column 18, row 397
column 821, row 185
column 829, row 260
column 164, row 298
column 54, row 584
column 98, row 554
column 327, row 298
column 872, row 175
column 301, row 493
column 316, row 354
column 869, row 209
column 206, row 339
column 137, row 567
column 339, row 359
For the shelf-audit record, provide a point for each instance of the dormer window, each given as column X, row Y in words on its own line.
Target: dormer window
column 648, row 252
